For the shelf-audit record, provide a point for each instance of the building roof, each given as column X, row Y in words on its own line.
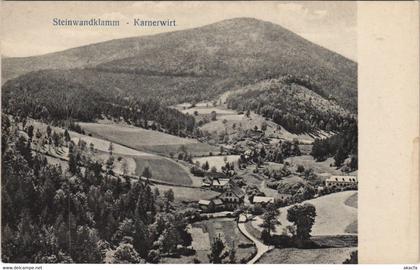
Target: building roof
column 221, row 182
column 263, row 199
column 342, row 178
column 237, row 191
column 204, row 202
column 217, row 202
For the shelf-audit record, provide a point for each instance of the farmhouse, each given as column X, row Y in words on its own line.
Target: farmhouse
column 211, row 205
column 221, row 184
column 232, row 197
column 341, row 181
column 205, row 205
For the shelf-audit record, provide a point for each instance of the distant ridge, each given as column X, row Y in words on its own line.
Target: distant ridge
column 195, row 63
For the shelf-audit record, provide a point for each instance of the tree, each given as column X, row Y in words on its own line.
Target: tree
column 84, row 247
column 248, row 113
column 205, row 166
column 213, row 169
column 217, row 251
column 125, row 253
column 146, row 173
column 213, row 116
column 339, row 157
column 300, row 169
column 168, row 240
column 303, row 218
column 270, row 219
column 110, row 148
column 169, row 198
column 264, row 126
column 66, row 135
column 31, row 132
column 353, row 163
column 110, row 165
column 48, row 131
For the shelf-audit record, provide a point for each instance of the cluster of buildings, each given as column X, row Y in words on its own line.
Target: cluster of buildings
column 232, row 196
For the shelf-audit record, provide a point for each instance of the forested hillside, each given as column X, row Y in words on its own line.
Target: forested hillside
column 83, row 214
column 63, row 97
column 291, row 104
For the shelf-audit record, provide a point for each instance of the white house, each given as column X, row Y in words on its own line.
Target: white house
column 341, row 181
column 263, row 199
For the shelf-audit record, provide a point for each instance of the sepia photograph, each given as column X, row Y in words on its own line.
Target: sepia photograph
column 179, row 133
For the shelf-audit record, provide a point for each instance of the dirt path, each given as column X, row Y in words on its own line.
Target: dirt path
column 261, row 247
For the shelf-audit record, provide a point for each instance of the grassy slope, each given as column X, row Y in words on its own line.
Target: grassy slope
column 162, row 168
column 307, row 256
column 145, row 140
column 333, row 215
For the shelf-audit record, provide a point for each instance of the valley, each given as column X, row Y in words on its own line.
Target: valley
column 173, row 148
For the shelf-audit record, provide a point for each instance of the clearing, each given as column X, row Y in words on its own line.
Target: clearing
column 163, row 169
column 333, row 215
column 322, row 168
column 145, row 139
column 188, row 194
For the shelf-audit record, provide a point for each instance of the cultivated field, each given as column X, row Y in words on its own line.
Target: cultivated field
column 99, row 144
column 217, row 161
column 163, row 169
column 333, row 217
column 188, row 194
column 145, row 139
column 307, row 256
column 132, row 136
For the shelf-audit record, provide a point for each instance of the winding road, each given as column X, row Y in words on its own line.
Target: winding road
column 261, row 247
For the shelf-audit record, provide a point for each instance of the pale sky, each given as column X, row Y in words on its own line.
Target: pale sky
column 27, row 26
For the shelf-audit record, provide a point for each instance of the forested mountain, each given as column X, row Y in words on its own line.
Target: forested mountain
column 289, row 103
column 196, row 64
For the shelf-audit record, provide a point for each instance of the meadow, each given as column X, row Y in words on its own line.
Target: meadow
column 146, row 139
column 163, row 169
column 188, row 194
column 307, row 256
column 217, row 161
column 333, row 215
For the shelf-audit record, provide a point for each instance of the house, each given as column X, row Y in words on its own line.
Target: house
column 218, row 204
column 263, row 199
column 232, row 197
column 212, row 205
column 342, row 181
column 205, row 205
column 220, row 184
